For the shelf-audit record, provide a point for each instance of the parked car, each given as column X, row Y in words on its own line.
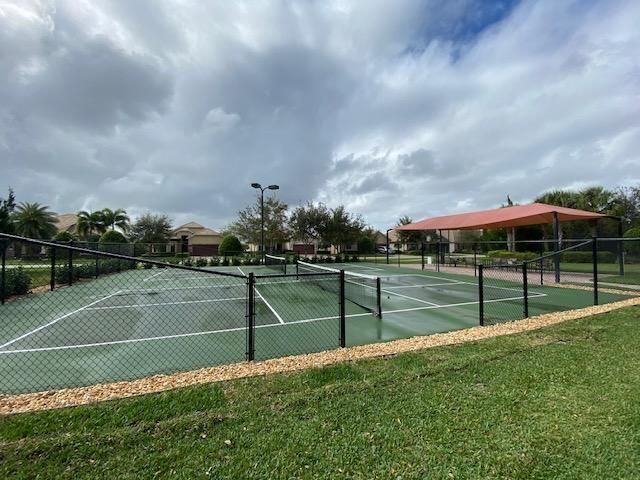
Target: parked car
column 383, row 249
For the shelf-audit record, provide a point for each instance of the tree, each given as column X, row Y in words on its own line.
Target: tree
column 114, row 242
column 34, row 220
column 247, row 226
column 596, row 199
column 150, row 228
column 408, row 237
column 309, row 222
column 90, row 223
column 627, row 205
column 230, row 244
column 365, row 245
column 116, row 218
column 64, row 236
column 113, row 236
column 343, row 228
column 7, row 206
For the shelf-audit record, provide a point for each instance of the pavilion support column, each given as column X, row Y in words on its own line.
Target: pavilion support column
column 511, row 239
column 556, row 245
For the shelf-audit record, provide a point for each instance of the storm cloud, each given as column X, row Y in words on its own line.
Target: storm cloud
column 393, row 108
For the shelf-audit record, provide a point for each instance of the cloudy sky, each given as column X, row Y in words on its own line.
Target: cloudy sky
column 389, row 107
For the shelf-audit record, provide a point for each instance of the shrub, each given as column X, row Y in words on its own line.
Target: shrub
column 112, row 236
column 225, row 262
column 587, row 257
column 235, row 261
column 17, row 281
column 230, row 244
column 64, row 237
column 632, row 247
column 187, row 262
column 214, row 261
column 201, row 262
column 147, row 266
column 355, row 258
column 365, row 245
column 505, row 254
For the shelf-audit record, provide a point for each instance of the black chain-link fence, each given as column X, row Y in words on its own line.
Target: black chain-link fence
column 72, row 316
column 589, row 272
column 75, row 316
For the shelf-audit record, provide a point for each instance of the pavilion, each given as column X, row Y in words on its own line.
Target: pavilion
column 510, row 218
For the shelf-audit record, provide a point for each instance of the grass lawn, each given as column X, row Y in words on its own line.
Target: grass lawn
column 560, row 402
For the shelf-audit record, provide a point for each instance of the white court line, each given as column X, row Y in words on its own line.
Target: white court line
column 475, row 302
column 427, row 285
column 168, row 337
column 57, row 320
column 136, row 305
column 444, row 278
column 406, row 296
column 209, row 332
column 152, row 276
column 264, row 300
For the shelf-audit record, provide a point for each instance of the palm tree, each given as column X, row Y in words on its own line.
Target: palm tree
column 34, row 220
column 90, row 222
column 117, row 218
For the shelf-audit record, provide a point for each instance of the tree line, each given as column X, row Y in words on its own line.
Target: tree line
column 35, row 220
column 312, row 222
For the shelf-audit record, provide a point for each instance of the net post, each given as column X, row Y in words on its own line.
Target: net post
column 438, row 256
column 3, row 270
column 481, row 293
column 594, row 250
column 541, row 271
column 379, row 296
column 422, row 255
column 70, row 266
column 342, row 327
column 97, row 266
column 251, row 317
column 525, row 290
column 52, row 280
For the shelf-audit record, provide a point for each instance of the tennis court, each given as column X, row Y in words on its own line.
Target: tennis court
column 138, row 322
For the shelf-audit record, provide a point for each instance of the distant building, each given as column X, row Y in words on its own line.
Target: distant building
column 195, row 239
column 67, row 222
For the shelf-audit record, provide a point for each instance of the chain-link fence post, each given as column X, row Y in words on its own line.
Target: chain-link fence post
column 70, row 267
column 525, row 290
column 3, row 247
column 594, row 249
column 620, row 249
column 481, row 293
column 342, row 339
column 52, row 280
column 251, row 317
column 379, row 297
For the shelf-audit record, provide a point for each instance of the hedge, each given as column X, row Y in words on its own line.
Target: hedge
column 587, row 257
column 512, row 255
column 89, row 270
column 16, row 282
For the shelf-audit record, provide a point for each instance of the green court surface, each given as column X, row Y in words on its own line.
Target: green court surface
column 143, row 322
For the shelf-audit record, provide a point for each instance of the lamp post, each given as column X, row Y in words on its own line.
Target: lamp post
column 387, row 252
column 257, row 186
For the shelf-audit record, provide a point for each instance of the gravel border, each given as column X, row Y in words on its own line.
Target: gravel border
column 10, row 404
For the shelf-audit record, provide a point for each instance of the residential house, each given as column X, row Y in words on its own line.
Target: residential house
column 195, row 239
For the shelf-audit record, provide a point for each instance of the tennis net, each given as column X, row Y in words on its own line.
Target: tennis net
column 363, row 290
column 276, row 263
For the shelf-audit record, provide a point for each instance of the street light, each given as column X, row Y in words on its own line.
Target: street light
column 388, row 230
column 259, row 187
